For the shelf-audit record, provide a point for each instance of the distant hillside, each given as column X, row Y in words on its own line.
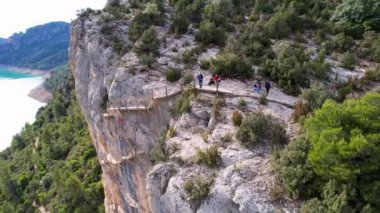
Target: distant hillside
column 40, row 47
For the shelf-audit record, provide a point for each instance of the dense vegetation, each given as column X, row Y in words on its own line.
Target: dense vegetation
column 335, row 164
column 345, row 30
column 42, row 47
column 56, row 79
column 51, row 162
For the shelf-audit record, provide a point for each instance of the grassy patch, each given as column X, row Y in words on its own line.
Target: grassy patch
column 183, row 103
column 208, row 157
column 237, row 118
column 197, row 190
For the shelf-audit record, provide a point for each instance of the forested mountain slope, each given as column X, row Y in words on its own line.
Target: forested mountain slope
column 52, row 163
column 40, row 47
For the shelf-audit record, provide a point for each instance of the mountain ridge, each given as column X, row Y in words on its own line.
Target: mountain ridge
column 40, row 47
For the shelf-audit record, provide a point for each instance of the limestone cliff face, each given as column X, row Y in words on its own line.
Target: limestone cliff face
column 122, row 143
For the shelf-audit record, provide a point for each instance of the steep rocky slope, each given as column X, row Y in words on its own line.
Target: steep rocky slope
column 125, row 137
column 241, row 183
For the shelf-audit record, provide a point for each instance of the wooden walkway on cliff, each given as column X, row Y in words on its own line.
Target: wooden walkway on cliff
column 165, row 92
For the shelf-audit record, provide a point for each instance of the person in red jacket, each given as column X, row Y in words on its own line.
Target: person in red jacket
column 214, row 80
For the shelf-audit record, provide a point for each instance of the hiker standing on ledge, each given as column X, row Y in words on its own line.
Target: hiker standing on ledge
column 267, row 86
column 200, row 80
column 216, row 80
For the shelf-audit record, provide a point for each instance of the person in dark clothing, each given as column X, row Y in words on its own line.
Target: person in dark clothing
column 267, row 86
column 200, row 80
column 211, row 82
column 214, row 80
column 255, row 88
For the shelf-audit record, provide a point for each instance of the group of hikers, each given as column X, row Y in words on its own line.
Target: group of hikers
column 216, row 80
column 257, row 86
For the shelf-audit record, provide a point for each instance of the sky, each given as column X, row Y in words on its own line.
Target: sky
column 18, row 15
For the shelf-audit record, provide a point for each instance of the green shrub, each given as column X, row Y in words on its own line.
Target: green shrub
column 373, row 75
column 369, row 47
column 152, row 15
column 147, row 59
column 106, row 29
column 197, row 190
column 158, row 152
column 290, row 69
column 210, row 34
column 253, row 43
column 189, row 57
column 292, row 169
column 347, row 61
column 237, row 118
column 341, row 134
column 219, row 12
column 171, row 132
column 231, row 66
column 209, row 157
column 204, row 136
column 262, row 99
column 173, row 75
column 187, row 79
column 205, row 64
column 183, row 103
column 227, row 138
column 260, row 128
column 316, row 95
column 242, row 103
column 282, row 23
column 216, row 108
column 342, row 43
column 300, row 110
column 180, row 24
column 148, row 43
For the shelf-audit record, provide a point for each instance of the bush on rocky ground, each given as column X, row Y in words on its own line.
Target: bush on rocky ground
column 197, row 190
column 231, row 66
column 173, row 75
column 205, row 64
column 158, row 152
column 347, row 60
column 209, row 33
column 183, row 103
column 262, row 99
column 147, row 43
column 147, row 59
column 373, row 74
column 237, row 118
column 259, row 128
column 209, row 157
column 316, row 95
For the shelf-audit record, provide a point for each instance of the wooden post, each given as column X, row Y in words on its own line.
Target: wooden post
column 217, row 87
column 137, row 104
column 194, row 82
column 166, row 91
column 152, row 95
